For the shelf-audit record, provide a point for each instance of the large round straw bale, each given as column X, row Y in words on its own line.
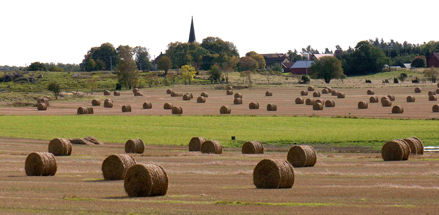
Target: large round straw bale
column 40, row 164
column 90, row 110
column 126, row 108
column 435, row 108
column 253, row 105
column 432, row 98
column 363, row 105
column 431, row 92
column 334, row 93
column 271, row 107
column 237, row 101
column 225, row 110
column 411, row 99
column 322, row 101
column 204, row 94
column 175, row 94
column 142, row 180
column 201, row 99
column 115, row 167
column 311, row 88
column 138, row 93
column 108, row 103
column 135, row 90
column 437, row 84
column 437, row 91
column 309, row 101
column 116, row 93
column 316, row 94
column 392, row 151
column 229, row 92
column 82, row 110
column 93, row 140
column 303, row 93
column 252, row 147
column 60, row 147
column 238, row 95
column 373, row 99
column 391, row 97
column 397, row 109
column 299, row 100
column 329, row 89
column 107, row 93
column 211, row 147
column 147, row 105
column 168, row 91
column 405, row 148
column 187, row 97
column 386, row 102
column 177, row 110
column 134, row 146
column 195, row 143
column 229, row 87
column 95, row 102
column 302, row 156
column 413, row 143
column 167, row 106
column 80, row 141
column 41, row 106
column 190, row 94
column 370, row 92
column 317, row 106
column 329, row 103
column 273, row 174
column 268, row 93
column 325, row 91
column 418, row 90
column 43, row 100
column 341, row 95
column 420, row 146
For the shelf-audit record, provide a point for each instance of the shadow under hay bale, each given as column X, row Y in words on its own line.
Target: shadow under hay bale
column 135, row 146
column 311, row 88
column 195, row 143
column 268, row 93
column 303, row 93
column 201, row 99
column 41, row 106
column 418, row 90
column 317, row 106
column 363, row 105
column 211, row 147
column 143, row 180
column 204, row 94
column 168, row 106
column 411, row 99
column 116, row 93
column 177, row 110
column 237, row 101
column 60, row 147
column 238, row 95
column 169, row 91
column 108, row 103
column 309, row 101
column 225, row 110
column 330, row 103
column 370, row 92
column 271, row 107
column 229, row 92
column 273, row 174
column 395, row 150
column 432, row 98
column 126, row 108
column 299, row 100
column 252, row 147
column 96, row 102
column 316, row 94
column 253, row 105
column 341, row 95
column 147, row 105
column 435, row 108
column 302, row 156
column 107, row 93
column 397, row 109
column 40, row 164
column 374, row 99
column 115, row 167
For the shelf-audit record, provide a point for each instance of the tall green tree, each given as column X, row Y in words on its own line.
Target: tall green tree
column 127, row 72
column 55, row 88
column 257, row 57
column 106, row 53
column 247, row 64
column 165, row 64
column 326, row 68
column 37, row 66
column 215, row 74
column 365, row 59
column 142, row 57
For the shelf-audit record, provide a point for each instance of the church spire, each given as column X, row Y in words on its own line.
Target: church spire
column 192, row 33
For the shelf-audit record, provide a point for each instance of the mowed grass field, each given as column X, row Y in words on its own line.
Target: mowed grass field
column 178, row 130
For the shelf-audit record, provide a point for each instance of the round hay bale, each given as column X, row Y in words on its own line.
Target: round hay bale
column 93, row 140
column 237, row 101
column 420, row 146
column 60, row 147
column 187, row 97
column 192, row 95
column 135, row 146
column 143, row 180
column 363, row 105
column 229, row 87
column 138, row 93
column 311, row 88
column 299, row 100
column 135, row 90
column 435, row 108
column 238, row 95
column 195, row 143
column 201, row 99
column 80, row 141
column 374, row 99
column 90, row 110
column 413, row 144
column 95, row 102
column 271, row 107
column 386, row 102
column 40, row 164
column 268, row 93
column 322, row 101
column 411, row 99
column 126, row 108
column 44, row 101
column 253, row 105
column 41, row 106
column 370, row 92
column 82, row 110
column 204, row 94
column 167, row 106
column 273, row 174
column 329, row 103
column 303, row 93
column 108, row 103
column 225, row 110
column 169, row 91
column 317, row 106
column 329, row 89
column 302, row 156
column 405, row 147
column 391, row 97
column 316, row 94
column 211, row 147
column 107, row 93
column 418, row 90
column 431, row 92
column 175, row 94
column 334, row 93
column 116, row 93
column 309, row 101
column 252, row 147
column 392, row 151
column 229, row 92
column 432, row 98
column 397, row 109
column 177, row 110
column 115, row 167
column 341, row 95
column 147, row 105
column 325, row 91
column 437, row 91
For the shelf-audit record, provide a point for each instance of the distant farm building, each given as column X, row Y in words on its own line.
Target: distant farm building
column 282, row 59
column 434, row 60
column 155, row 62
column 301, row 67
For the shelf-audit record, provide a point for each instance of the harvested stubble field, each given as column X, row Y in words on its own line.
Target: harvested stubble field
column 218, row 184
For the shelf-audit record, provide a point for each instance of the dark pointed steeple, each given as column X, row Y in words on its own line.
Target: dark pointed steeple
column 192, row 33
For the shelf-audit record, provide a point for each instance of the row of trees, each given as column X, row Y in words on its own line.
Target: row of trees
column 52, row 67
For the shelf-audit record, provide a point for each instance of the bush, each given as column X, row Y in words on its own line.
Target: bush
column 416, row 80
column 55, row 88
column 419, row 62
column 402, row 76
column 305, row 79
column 368, row 81
column 395, row 80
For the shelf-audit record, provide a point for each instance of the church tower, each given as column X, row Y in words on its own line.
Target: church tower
column 192, row 33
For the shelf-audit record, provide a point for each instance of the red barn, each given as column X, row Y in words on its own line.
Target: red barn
column 301, row 67
column 434, row 60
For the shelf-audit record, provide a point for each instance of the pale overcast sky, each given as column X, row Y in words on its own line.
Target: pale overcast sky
column 64, row 30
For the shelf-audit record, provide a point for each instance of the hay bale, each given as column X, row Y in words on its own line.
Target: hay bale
column 420, row 146
column 41, row 106
column 108, row 103
column 311, row 88
column 40, row 164
column 169, row 91
column 334, row 93
column 385, row 102
column 126, row 108
column 116, row 93
column 229, row 87
column 299, row 100
column 411, row 99
column 192, row 95
column 167, row 106
column 175, row 94
column 273, row 174
column 115, row 167
column 321, row 101
column 82, row 110
column 60, row 147
column 195, row 143
column 252, row 147
column 302, row 156
column 187, row 97
column 392, row 151
column 80, row 141
column 330, row 103
column 391, row 97
column 437, row 91
column 204, row 94
column 341, row 95
column 432, row 98
column 138, row 93
column 268, row 93
column 405, row 148
column 211, row 147
column 225, row 110
column 373, row 99
column 44, row 101
column 177, row 110
column 370, row 92
column 271, row 107
column 237, row 101
column 107, row 93
column 95, row 102
column 90, row 110
column 303, row 93
column 147, row 105
column 309, row 101
column 431, row 92
column 135, row 146
column 413, row 144
column 142, row 180
column 94, row 140
column 229, row 92
column 418, row 90
column 325, row 91
column 317, row 106
column 238, row 95
column 201, row 99
column 435, row 108
column 135, row 90
column 253, row 105
column 397, row 109
column 316, row 94
column 363, row 105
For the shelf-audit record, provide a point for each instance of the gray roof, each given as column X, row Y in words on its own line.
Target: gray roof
column 408, row 65
column 302, row 64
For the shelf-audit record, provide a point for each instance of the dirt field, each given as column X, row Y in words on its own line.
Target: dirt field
column 283, row 97
column 218, row 184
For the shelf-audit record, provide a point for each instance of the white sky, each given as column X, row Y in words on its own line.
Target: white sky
column 64, row 30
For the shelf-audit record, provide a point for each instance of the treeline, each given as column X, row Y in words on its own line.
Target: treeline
column 52, row 67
